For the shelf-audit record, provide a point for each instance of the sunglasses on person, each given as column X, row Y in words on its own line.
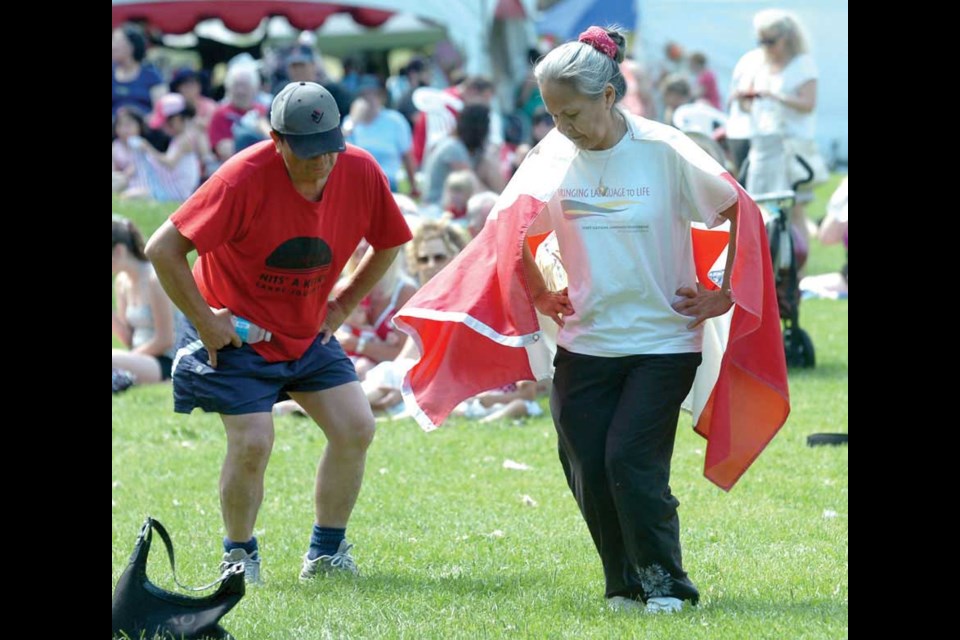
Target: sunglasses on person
column 437, row 257
column 767, row 42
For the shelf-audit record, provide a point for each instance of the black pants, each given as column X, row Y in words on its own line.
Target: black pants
column 616, row 421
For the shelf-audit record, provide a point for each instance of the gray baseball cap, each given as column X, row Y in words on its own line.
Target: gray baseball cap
column 308, row 117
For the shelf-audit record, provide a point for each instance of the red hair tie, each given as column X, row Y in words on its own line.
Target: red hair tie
column 600, row 40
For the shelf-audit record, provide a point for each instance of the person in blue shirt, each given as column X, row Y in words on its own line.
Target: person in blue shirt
column 383, row 132
column 134, row 83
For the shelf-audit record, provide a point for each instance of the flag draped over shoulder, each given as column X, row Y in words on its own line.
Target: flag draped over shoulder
column 474, row 322
column 740, row 404
column 477, row 329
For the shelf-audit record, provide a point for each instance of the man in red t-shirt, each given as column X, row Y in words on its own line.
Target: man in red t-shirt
column 273, row 228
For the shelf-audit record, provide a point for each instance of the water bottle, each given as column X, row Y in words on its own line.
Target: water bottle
column 248, row 331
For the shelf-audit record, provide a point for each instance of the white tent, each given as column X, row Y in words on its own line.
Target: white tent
column 472, row 25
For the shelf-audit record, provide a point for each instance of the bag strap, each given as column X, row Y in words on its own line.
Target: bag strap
column 162, row 532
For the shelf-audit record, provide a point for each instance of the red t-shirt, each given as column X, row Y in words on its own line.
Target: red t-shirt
column 271, row 256
column 223, row 119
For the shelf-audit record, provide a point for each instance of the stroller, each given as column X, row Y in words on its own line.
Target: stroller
column 786, row 264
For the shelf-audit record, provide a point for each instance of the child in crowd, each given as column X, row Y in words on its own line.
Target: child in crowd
column 127, row 124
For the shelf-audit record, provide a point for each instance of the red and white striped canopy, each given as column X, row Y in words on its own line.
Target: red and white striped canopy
column 242, row 16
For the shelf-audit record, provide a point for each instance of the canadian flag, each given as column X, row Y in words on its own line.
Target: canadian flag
column 477, row 329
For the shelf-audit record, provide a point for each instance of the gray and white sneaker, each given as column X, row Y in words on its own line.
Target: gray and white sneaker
column 251, row 564
column 664, row 605
column 341, row 561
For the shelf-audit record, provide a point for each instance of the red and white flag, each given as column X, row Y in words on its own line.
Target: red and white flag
column 477, row 329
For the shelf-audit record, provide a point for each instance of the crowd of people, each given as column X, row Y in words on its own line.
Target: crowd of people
column 428, row 123
column 319, row 207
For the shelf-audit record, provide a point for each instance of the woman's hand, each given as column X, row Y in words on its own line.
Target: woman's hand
column 554, row 304
column 701, row 304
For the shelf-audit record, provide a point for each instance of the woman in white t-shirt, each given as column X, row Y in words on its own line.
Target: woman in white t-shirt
column 628, row 348
column 781, row 101
column 739, row 127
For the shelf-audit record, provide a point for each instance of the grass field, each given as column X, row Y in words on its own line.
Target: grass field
column 452, row 544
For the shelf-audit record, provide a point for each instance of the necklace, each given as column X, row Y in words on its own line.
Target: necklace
column 602, row 189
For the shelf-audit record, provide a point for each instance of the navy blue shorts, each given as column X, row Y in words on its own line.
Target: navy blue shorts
column 244, row 382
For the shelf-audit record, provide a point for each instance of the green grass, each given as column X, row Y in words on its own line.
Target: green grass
column 146, row 215
column 449, row 549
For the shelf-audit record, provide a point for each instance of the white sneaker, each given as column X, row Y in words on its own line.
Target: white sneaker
column 620, row 603
column 251, row 564
column 664, row 605
column 340, row 561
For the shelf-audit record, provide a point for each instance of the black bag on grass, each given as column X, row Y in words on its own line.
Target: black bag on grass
column 142, row 609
